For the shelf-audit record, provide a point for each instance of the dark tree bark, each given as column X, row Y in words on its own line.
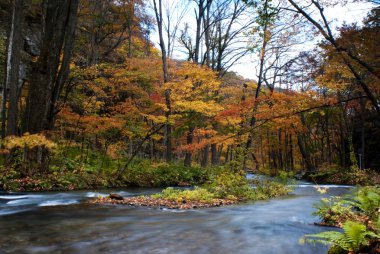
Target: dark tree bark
column 64, row 70
column 205, row 157
column 301, row 140
column 14, row 46
column 214, row 154
column 58, row 18
column 189, row 141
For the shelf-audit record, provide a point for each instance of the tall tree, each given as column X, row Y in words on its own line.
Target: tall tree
column 168, row 128
column 15, row 44
column 50, row 71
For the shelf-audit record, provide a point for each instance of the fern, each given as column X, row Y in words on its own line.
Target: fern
column 369, row 200
column 355, row 236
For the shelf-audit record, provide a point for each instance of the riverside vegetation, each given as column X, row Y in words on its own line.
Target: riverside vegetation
column 358, row 215
column 222, row 188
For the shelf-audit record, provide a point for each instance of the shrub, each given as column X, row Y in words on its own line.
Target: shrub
column 148, row 174
column 231, row 184
column 269, row 189
column 198, row 194
column 334, row 211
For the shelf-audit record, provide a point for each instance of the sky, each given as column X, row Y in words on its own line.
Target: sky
column 246, row 67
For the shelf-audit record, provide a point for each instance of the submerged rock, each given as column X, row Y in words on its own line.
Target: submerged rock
column 114, row 196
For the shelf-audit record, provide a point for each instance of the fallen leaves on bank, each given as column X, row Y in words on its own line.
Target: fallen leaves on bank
column 162, row 203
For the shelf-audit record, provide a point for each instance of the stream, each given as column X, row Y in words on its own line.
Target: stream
column 61, row 222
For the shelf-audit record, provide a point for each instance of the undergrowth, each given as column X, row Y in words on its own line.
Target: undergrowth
column 358, row 215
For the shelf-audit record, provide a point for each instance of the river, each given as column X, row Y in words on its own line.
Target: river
column 64, row 223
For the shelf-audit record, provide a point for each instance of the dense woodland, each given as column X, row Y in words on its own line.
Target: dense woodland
column 85, row 87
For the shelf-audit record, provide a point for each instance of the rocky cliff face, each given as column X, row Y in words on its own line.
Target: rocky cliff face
column 31, row 37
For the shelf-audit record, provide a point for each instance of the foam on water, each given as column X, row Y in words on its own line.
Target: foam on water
column 18, row 202
column 13, row 197
column 125, row 193
column 321, row 186
column 8, row 212
column 95, row 194
column 58, row 202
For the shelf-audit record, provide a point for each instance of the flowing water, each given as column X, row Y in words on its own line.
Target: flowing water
column 64, row 223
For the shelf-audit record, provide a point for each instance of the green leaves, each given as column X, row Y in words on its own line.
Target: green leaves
column 358, row 216
column 355, row 236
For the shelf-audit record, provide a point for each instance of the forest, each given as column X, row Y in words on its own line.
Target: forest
column 151, row 94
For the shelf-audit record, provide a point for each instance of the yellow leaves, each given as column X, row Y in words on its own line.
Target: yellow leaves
column 162, row 106
column 193, row 81
column 209, row 108
column 29, row 141
column 155, row 119
column 321, row 190
column 194, row 90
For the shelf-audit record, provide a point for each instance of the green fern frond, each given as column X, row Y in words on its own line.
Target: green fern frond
column 328, row 238
column 356, row 234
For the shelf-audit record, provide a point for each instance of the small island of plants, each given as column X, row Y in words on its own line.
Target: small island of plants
column 225, row 188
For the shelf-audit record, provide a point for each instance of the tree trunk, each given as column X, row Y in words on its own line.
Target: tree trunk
column 65, row 64
column 303, row 149
column 168, row 127
column 45, row 72
column 15, row 44
column 189, row 141
column 214, row 154
column 205, row 158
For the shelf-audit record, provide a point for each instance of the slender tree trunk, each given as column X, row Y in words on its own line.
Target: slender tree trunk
column 227, row 154
column 189, row 141
column 260, row 81
column 280, row 160
column 15, row 44
column 130, row 25
column 301, row 139
column 291, row 153
column 168, row 127
column 305, row 154
column 64, row 70
column 198, row 30
column 214, row 155
column 205, row 157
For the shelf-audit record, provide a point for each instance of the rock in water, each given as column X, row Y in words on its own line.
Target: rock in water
column 115, row 196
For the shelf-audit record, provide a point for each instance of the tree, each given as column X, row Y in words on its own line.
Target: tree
column 168, row 129
column 106, row 26
column 193, row 101
column 50, row 71
column 347, row 55
column 15, row 44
